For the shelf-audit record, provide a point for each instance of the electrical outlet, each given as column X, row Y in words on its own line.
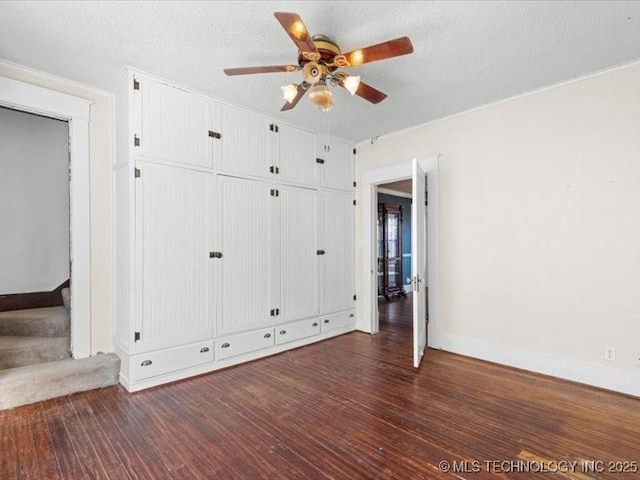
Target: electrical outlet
column 610, row 353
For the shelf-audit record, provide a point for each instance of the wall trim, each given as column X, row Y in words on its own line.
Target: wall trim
column 622, row 381
column 30, row 98
column 512, row 98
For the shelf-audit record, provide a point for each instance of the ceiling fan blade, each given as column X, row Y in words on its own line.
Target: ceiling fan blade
column 266, row 69
column 369, row 93
column 381, row 51
column 293, row 25
column 291, row 105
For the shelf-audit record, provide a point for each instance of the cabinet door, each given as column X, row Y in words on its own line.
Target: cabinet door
column 247, row 283
column 296, row 156
column 337, row 264
column 338, row 169
column 246, row 142
column 298, row 218
column 172, row 211
column 173, row 124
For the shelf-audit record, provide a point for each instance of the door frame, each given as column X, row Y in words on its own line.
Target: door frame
column 76, row 111
column 369, row 321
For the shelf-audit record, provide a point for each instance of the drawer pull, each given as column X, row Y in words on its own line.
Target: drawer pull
column 225, row 345
column 326, row 320
column 146, row 363
column 351, row 315
column 204, row 349
column 314, row 324
column 320, row 252
column 267, row 335
column 283, row 332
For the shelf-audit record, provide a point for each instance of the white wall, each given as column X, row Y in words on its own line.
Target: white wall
column 34, row 202
column 539, row 227
column 100, row 159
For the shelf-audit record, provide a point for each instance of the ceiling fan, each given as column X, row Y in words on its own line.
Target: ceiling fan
column 320, row 60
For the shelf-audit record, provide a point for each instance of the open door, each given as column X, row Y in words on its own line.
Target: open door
column 418, row 262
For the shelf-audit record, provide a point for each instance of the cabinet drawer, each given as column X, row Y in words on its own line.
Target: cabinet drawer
column 296, row 330
column 148, row 365
column 337, row 320
column 244, row 343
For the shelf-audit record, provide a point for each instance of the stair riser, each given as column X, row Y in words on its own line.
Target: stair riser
column 55, row 348
column 34, row 383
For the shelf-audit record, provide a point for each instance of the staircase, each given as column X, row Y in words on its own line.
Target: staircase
column 35, row 358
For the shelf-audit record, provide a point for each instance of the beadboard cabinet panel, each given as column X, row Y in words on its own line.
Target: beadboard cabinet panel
column 338, row 167
column 298, row 273
column 172, row 228
column 337, row 264
column 248, row 284
column 246, row 142
column 173, row 124
column 296, row 156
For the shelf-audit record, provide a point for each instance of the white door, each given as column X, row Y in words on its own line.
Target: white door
column 419, row 262
column 172, row 125
column 247, row 288
column 172, row 230
column 337, row 252
column 298, row 219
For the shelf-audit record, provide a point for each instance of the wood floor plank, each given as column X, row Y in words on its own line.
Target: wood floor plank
column 350, row 407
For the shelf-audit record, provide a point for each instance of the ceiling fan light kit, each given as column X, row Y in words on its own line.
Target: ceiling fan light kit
column 319, row 58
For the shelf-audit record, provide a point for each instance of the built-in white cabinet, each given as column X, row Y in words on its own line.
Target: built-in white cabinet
column 172, row 210
column 299, row 249
column 337, row 160
column 337, row 265
column 172, row 125
column 247, row 246
column 234, row 234
column 245, row 142
column 253, row 145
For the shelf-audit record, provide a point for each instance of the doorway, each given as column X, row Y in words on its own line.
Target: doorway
column 372, row 180
column 75, row 111
column 34, row 206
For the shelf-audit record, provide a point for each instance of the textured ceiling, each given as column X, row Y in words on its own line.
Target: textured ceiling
column 466, row 53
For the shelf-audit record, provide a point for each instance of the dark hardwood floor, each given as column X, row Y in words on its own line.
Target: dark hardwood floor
column 350, row 407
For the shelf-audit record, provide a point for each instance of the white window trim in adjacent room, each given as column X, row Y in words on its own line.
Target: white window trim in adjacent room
column 368, row 321
column 30, row 98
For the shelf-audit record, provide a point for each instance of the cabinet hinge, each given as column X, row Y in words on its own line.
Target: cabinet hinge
column 136, row 173
column 136, row 84
column 320, row 161
column 136, row 141
column 355, row 297
column 136, row 336
column 213, row 134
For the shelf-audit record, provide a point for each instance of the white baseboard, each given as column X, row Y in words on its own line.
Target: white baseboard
column 614, row 379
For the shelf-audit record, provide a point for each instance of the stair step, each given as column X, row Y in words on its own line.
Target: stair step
column 33, row 383
column 36, row 322
column 19, row 351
